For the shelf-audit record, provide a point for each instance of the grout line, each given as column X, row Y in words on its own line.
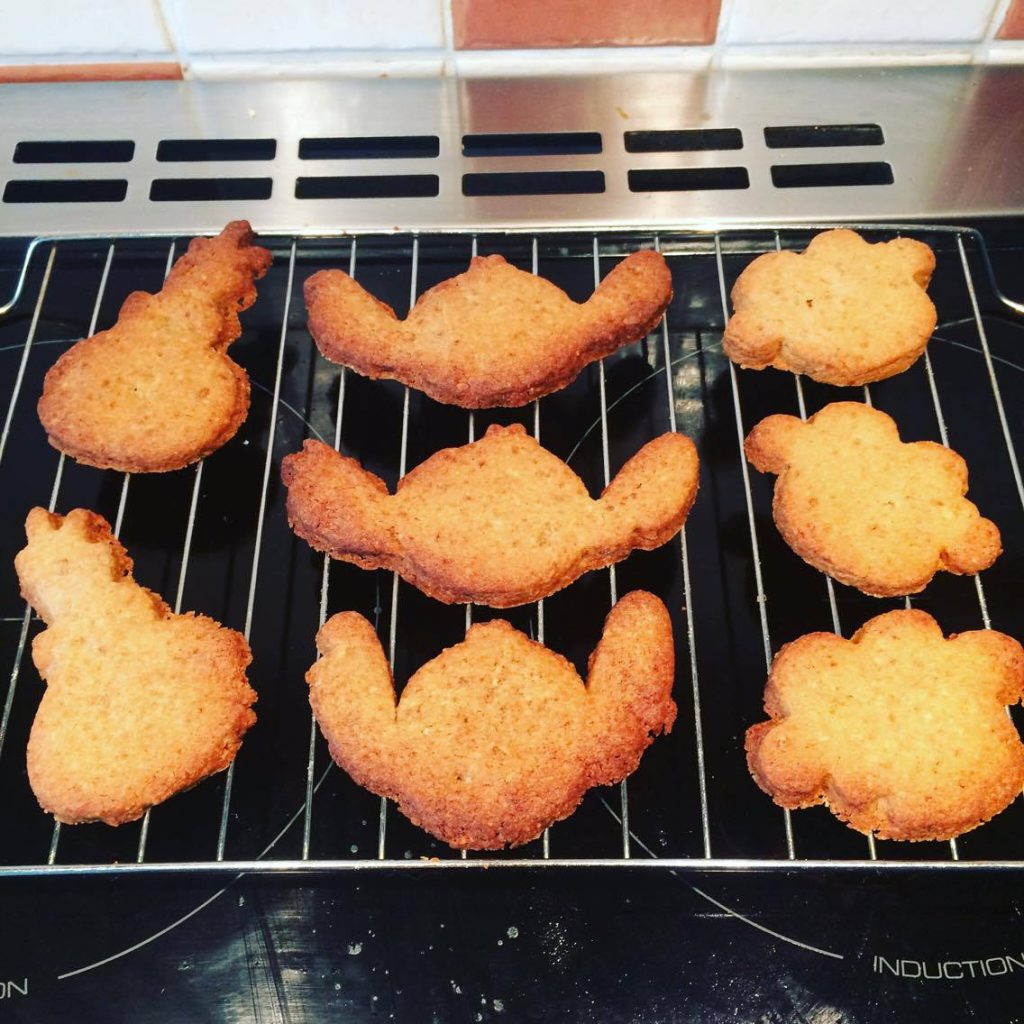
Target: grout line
column 170, row 17
column 720, row 42
column 983, row 49
column 448, row 27
column 164, row 18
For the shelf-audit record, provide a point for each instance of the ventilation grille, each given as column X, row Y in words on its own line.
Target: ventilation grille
column 497, row 149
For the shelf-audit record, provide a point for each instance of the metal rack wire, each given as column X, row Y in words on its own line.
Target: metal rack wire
column 682, row 250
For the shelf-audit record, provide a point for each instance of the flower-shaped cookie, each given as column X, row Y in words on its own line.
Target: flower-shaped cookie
column 899, row 732
column 843, row 311
column 856, row 502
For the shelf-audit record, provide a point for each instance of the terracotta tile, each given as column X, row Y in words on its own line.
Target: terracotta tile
column 491, row 24
column 1013, row 25
column 136, row 71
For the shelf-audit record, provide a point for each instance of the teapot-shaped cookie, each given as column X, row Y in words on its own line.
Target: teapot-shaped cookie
column 499, row 522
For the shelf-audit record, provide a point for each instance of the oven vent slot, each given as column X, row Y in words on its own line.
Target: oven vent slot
column 532, row 144
column 208, row 190
column 75, row 152
column 363, row 147
column 688, row 179
column 812, row 136
column 533, row 183
column 98, row 190
column 196, row 150
column 688, row 140
column 876, row 172
column 368, row 186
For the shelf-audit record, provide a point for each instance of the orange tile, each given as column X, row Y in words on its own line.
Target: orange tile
column 1013, row 25
column 118, row 72
column 513, row 24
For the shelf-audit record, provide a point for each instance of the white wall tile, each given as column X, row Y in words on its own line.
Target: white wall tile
column 241, row 26
column 783, row 22
column 71, row 27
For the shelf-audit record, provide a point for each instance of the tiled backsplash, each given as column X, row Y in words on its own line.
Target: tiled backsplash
column 208, row 38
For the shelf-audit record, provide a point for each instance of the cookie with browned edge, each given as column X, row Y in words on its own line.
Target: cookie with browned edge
column 843, row 311
column 900, row 732
column 872, row 511
column 158, row 390
column 493, row 336
column 140, row 702
column 497, row 737
column 499, row 522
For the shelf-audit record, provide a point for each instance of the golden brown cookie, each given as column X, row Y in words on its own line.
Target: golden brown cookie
column 496, row 737
column 498, row 522
column 158, row 390
column 140, row 703
column 899, row 732
column 856, row 502
column 843, row 311
column 493, row 336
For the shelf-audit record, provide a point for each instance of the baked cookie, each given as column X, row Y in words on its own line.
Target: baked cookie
column 899, row 732
column 493, row 336
column 498, row 522
column 843, row 311
column 158, row 390
column 140, row 703
column 856, row 502
column 496, row 737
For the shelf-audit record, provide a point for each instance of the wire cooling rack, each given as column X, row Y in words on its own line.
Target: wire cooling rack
column 214, row 538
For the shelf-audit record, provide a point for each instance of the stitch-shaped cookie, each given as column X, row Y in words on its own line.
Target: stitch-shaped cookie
column 496, row 737
column 843, row 311
column 158, row 390
column 498, row 522
column 493, row 336
column 899, row 732
column 140, row 703
column 856, row 502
